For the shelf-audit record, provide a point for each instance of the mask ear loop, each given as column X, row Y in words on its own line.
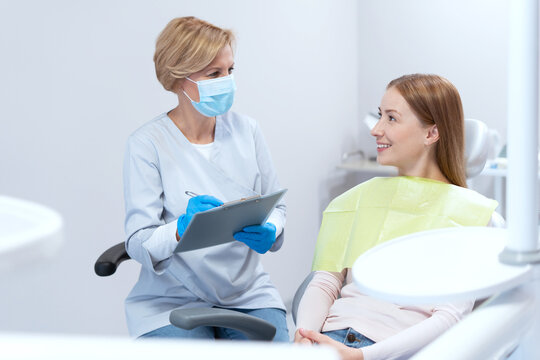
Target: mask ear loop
column 185, row 93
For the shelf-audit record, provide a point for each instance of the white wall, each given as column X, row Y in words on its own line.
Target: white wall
column 462, row 40
column 77, row 78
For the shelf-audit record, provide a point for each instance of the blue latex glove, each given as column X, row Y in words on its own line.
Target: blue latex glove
column 196, row 204
column 258, row 237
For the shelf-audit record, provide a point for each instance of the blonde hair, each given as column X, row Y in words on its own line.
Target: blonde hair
column 435, row 101
column 187, row 45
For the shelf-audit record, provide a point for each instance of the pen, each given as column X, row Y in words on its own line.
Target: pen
column 191, row 193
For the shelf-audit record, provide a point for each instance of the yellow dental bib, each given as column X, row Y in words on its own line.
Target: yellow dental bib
column 382, row 209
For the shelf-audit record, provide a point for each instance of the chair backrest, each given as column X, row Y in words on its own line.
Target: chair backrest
column 299, row 293
column 476, row 146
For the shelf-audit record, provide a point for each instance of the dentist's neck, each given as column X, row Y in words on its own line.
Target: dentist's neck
column 197, row 128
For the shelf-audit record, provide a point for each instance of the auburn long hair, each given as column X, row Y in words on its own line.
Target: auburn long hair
column 435, row 101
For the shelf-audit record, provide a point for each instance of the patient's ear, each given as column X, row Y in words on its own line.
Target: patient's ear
column 432, row 135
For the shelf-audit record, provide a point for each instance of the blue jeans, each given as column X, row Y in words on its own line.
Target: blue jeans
column 274, row 316
column 350, row 338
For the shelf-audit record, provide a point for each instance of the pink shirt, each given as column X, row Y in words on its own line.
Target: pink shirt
column 399, row 331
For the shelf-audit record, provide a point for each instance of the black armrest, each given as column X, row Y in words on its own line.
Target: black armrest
column 253, row 327
column 112, row 258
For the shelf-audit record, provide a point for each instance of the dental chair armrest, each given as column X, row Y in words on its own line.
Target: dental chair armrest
column 253, row 327
column 107, row 263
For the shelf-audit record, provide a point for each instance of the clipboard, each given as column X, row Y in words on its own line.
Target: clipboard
column 217, row 225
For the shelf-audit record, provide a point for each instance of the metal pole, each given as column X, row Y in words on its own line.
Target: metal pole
column 522, row 124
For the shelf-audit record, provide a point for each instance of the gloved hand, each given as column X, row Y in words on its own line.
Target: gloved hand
column 258, row 237
column 196, row 204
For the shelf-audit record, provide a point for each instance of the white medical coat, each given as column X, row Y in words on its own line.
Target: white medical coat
column 160, row 165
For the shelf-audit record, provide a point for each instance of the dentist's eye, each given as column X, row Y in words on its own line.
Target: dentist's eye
column 231, row 70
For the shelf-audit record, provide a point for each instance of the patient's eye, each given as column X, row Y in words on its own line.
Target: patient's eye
column 379, row 115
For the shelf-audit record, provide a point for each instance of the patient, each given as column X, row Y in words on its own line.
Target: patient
column 421, row 132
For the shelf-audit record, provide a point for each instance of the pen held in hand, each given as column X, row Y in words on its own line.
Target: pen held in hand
column 191, row 193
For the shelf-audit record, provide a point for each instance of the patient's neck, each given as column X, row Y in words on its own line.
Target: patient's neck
column 429, row 170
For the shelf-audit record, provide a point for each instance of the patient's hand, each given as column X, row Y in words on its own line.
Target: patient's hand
column 299, row 339
column 345, row 352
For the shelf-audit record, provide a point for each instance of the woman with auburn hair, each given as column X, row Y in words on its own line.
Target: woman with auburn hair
column 203, row 148
column 421, row 132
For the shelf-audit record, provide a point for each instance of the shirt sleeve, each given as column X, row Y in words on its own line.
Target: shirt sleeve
column 149, row 240
column 270, row 184
column 320, row 294
column 409, row 341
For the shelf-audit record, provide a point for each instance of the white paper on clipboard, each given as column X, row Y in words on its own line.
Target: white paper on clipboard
column 217, row 226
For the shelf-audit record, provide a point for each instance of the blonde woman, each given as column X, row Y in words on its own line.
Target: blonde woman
column 201, row 147
column 421, row 132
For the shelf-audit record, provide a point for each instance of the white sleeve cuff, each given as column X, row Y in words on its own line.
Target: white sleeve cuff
column 160, row 246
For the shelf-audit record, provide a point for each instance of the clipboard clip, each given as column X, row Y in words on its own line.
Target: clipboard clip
column 241, row 200
column 192, row 194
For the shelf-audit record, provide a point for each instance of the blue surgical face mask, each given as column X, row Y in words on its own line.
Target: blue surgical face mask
column 215, row 95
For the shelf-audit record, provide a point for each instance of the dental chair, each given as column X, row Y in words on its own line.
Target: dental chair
column 476, row 154
column 253, row 327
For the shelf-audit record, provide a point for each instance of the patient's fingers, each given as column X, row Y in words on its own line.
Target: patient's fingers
column 299, row 339
column 315, row 336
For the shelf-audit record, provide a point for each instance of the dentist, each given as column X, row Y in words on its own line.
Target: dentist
column 198, row 146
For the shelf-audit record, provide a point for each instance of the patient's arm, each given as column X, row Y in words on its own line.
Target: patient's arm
column 319, row 296
column 409, row 341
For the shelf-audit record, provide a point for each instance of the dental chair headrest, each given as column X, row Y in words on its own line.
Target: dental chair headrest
column 476, row 146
